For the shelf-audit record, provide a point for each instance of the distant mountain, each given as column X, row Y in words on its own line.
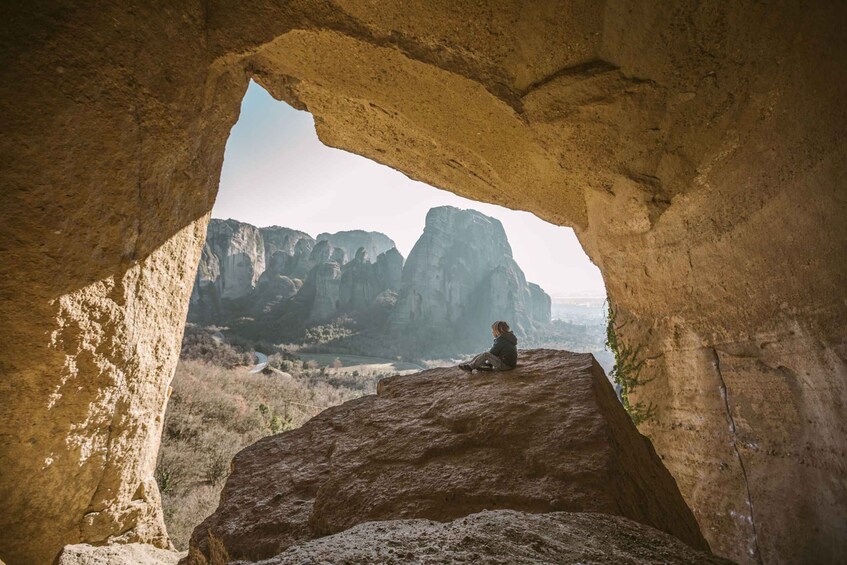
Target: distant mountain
column 374, row 243
column 275, row 277
column 459, row 278
column 275, row 284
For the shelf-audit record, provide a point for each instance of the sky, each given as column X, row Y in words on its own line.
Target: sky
column 277, row 172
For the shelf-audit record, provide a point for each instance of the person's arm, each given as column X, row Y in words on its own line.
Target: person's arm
column 497, row 348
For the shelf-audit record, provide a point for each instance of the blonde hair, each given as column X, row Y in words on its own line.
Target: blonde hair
column 500, row 327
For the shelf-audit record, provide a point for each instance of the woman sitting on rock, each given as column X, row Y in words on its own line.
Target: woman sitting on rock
column 502, row 356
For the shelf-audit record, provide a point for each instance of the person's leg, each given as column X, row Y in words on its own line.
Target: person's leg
column 486, row 359
column 495, row 362
column 477, row 361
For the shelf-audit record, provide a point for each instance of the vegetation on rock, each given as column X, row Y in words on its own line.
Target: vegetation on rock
column 627, row 370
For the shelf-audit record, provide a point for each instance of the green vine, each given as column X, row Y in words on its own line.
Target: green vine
column 627, row 370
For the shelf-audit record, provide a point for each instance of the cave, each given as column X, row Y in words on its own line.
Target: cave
column 696, row 149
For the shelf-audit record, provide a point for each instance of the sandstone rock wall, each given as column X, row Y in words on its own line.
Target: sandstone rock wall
column 697, row 149
column 547, row 436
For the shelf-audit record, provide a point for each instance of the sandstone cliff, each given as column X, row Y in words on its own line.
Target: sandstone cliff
column 459, row 278
column 548, row 436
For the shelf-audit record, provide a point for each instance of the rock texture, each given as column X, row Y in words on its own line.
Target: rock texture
column 501, row 537
column 698, row 150
column 374, row 243
column 119, row 554
column 459, row 278
column 548, row 436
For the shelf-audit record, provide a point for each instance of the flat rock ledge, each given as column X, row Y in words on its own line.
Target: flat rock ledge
column 498, row 537
column 549, row 436
column 117, row 554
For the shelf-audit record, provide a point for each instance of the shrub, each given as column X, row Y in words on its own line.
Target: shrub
column 171, row 471
column 187, row 509
column 213, row 413
column 216, row 465
column 627, row 370
column 208, row 344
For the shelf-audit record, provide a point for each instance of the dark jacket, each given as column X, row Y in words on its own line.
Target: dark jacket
column 506, row 348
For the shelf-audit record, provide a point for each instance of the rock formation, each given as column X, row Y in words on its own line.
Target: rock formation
column 459, row 278
column 462, row 277
column 232, row 260
column 235, row 258
column 351, row 241
column 325, row 279
column 286, row 240
column 540, row 301
column 389, row 267
column 295, row 264
column 548, row 436
column 501, row 536
column 360, row 281
column 240, row 252
column 697, row 149
column 249, row 271
column 118, row 554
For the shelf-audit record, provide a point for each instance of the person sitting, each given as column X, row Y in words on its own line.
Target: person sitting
column 503, row 354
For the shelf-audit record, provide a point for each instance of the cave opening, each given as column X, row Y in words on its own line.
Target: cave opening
column 310, row 255
column 697, row 153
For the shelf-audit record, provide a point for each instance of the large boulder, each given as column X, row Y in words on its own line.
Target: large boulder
column 549, row 436
column 499, row 536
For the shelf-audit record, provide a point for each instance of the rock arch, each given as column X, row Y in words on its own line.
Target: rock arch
column 698, row 150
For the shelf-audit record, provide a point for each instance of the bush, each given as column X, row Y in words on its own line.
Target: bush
column 627, row 370
column 213, row 413
column 187, row 509
column 216, row 465
column 208, row 344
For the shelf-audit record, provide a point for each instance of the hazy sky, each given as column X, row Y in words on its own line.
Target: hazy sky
column 277, row 172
